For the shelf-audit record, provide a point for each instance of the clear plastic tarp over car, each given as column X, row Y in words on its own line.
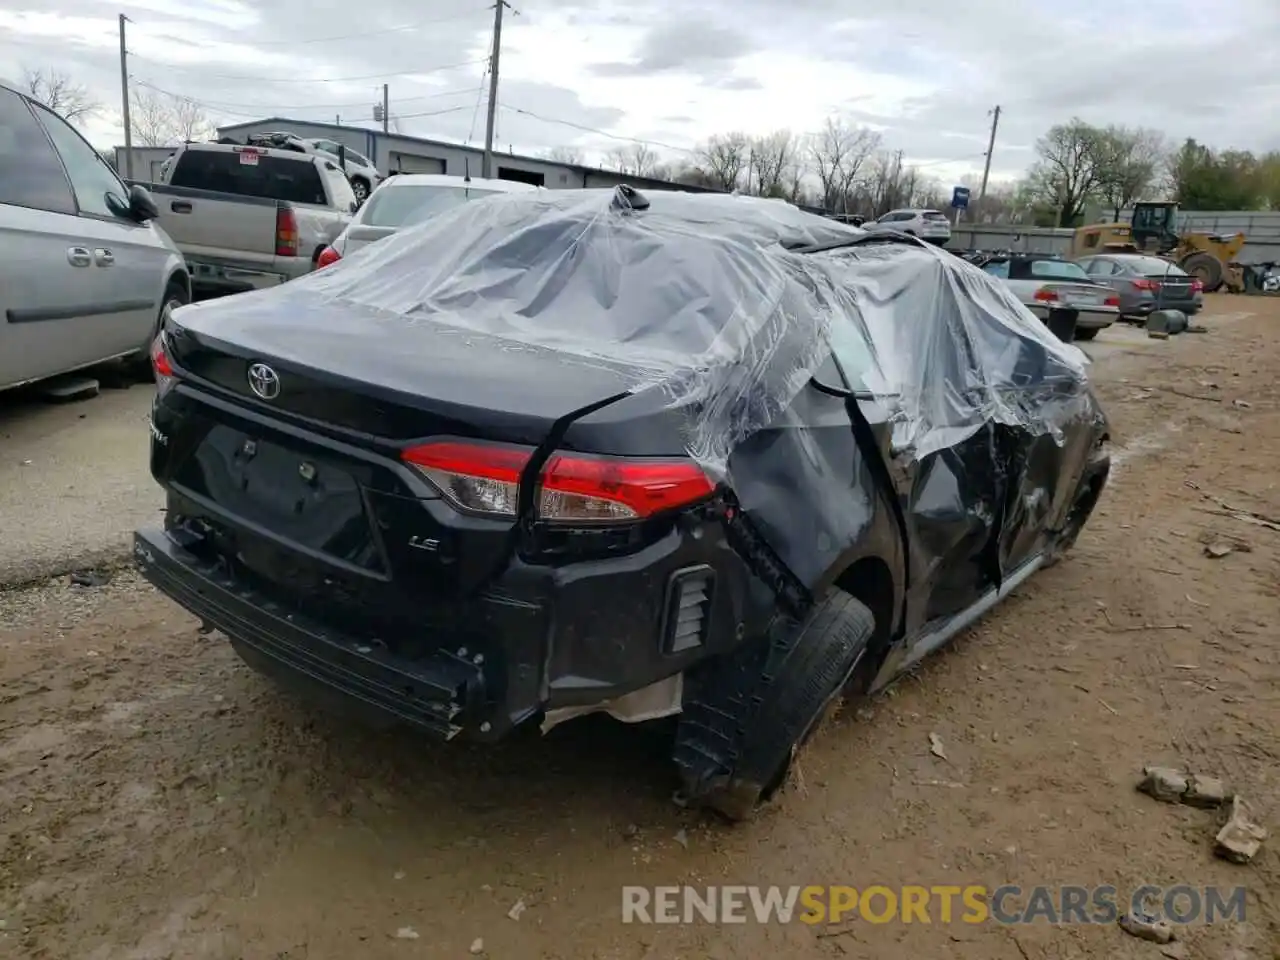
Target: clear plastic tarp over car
column 714, row 300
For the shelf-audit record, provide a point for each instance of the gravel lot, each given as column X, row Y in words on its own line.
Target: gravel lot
column 157, row 799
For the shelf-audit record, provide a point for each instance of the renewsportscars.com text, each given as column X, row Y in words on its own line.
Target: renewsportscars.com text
column 971, row 904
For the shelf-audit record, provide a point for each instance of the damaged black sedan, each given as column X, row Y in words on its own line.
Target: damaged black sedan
column 664, row 454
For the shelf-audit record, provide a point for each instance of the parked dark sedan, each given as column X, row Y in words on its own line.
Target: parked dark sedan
column 1146, row 283
column 695, row 455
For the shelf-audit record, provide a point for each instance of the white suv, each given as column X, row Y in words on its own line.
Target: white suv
column 931, row 225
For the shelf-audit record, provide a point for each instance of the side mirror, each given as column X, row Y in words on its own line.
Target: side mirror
column 141, row 205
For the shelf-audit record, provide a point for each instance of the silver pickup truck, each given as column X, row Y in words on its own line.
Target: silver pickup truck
column 249, row 217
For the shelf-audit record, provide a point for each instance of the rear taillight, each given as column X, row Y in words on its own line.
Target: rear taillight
column 1112, row 301
column 286, row 232
column 1046, row 296
column 165, row 375
column 1197, row 286
column 575, row 488
column 327, row 257
column 1144, row 284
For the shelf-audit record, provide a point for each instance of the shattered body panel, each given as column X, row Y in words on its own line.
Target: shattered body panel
column 876, row 414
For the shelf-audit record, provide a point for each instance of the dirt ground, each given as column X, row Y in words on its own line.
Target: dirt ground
column 157, row 799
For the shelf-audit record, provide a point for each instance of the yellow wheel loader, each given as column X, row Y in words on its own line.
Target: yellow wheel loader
column 1210, row 257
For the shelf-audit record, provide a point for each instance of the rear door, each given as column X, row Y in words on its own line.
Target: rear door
column 950, row 500
column 51, row 293
column 128, row 258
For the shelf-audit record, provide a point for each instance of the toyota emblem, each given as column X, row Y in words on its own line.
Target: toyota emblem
column 264, row 381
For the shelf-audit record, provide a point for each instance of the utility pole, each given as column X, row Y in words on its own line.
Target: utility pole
column 124, row 103
column 386, row 112
column 991, row 146
column 492, row 113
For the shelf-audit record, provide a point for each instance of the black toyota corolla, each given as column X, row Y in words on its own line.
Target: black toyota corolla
column 666, row 454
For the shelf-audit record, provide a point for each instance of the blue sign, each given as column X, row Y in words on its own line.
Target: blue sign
column 960, row 197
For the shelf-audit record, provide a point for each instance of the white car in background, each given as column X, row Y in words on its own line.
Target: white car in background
column 931, row 225
column 407, row 199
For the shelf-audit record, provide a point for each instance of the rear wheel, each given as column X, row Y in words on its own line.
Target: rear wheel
column 775, row 693
column 1206, row 268
column 1086, row 333
column 175, row 295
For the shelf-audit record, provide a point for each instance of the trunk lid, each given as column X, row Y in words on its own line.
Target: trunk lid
column 388, row 377
column 1079, row 294
column 361, row 235
column 1171, row 286
column 305, row 488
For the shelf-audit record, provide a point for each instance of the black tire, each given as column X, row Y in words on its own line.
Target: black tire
column 1086, row 333
column 360, row 187
column 1206, row 268
column 806, row 672
column 175, row 295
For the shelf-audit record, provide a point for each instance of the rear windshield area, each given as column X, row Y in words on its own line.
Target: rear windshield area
column 396, row 205
column 1046, row 270
column 1153, row 266
column 934, row 215
column 248, row 174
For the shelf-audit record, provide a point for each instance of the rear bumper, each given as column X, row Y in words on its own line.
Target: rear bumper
column 214, row 278
column 1144, row 307
column 493, row 662
column 439, row 695
column 1085, row 319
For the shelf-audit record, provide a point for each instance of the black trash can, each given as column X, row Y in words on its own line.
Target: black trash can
column 1062, row 323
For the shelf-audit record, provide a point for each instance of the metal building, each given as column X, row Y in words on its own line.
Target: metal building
column 399, row 153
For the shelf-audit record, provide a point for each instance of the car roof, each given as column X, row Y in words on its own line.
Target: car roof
column 445, row 180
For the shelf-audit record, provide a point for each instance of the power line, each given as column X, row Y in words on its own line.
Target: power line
column 370, row 76
column 257, row 107
column 475, row 114
column 259, row 113
column 402, row 28
column 596, row 131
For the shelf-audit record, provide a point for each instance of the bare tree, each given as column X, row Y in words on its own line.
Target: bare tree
column 1130, row 163
column 570, row 155
column 633, row 159
column 61, row 94
column 724, row 159
column 162, row 119
column 769, row 159
column 793, row 176
column 888, row 185
column 1073, row 161
column 839, row 153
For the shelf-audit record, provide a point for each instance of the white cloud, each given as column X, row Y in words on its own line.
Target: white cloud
column 924, row 73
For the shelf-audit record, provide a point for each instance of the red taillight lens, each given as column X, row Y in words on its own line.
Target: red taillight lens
column 161, row 365
column 1046, row 296
column 1112, row 301
column 327, row 257
column 286, row 233
column 1197, row 286
column 485, row 479
column 1145, row 284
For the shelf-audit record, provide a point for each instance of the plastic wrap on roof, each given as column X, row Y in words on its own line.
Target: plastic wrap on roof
column 706, row 298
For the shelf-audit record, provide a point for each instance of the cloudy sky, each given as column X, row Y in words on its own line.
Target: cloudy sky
column 583, row 72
